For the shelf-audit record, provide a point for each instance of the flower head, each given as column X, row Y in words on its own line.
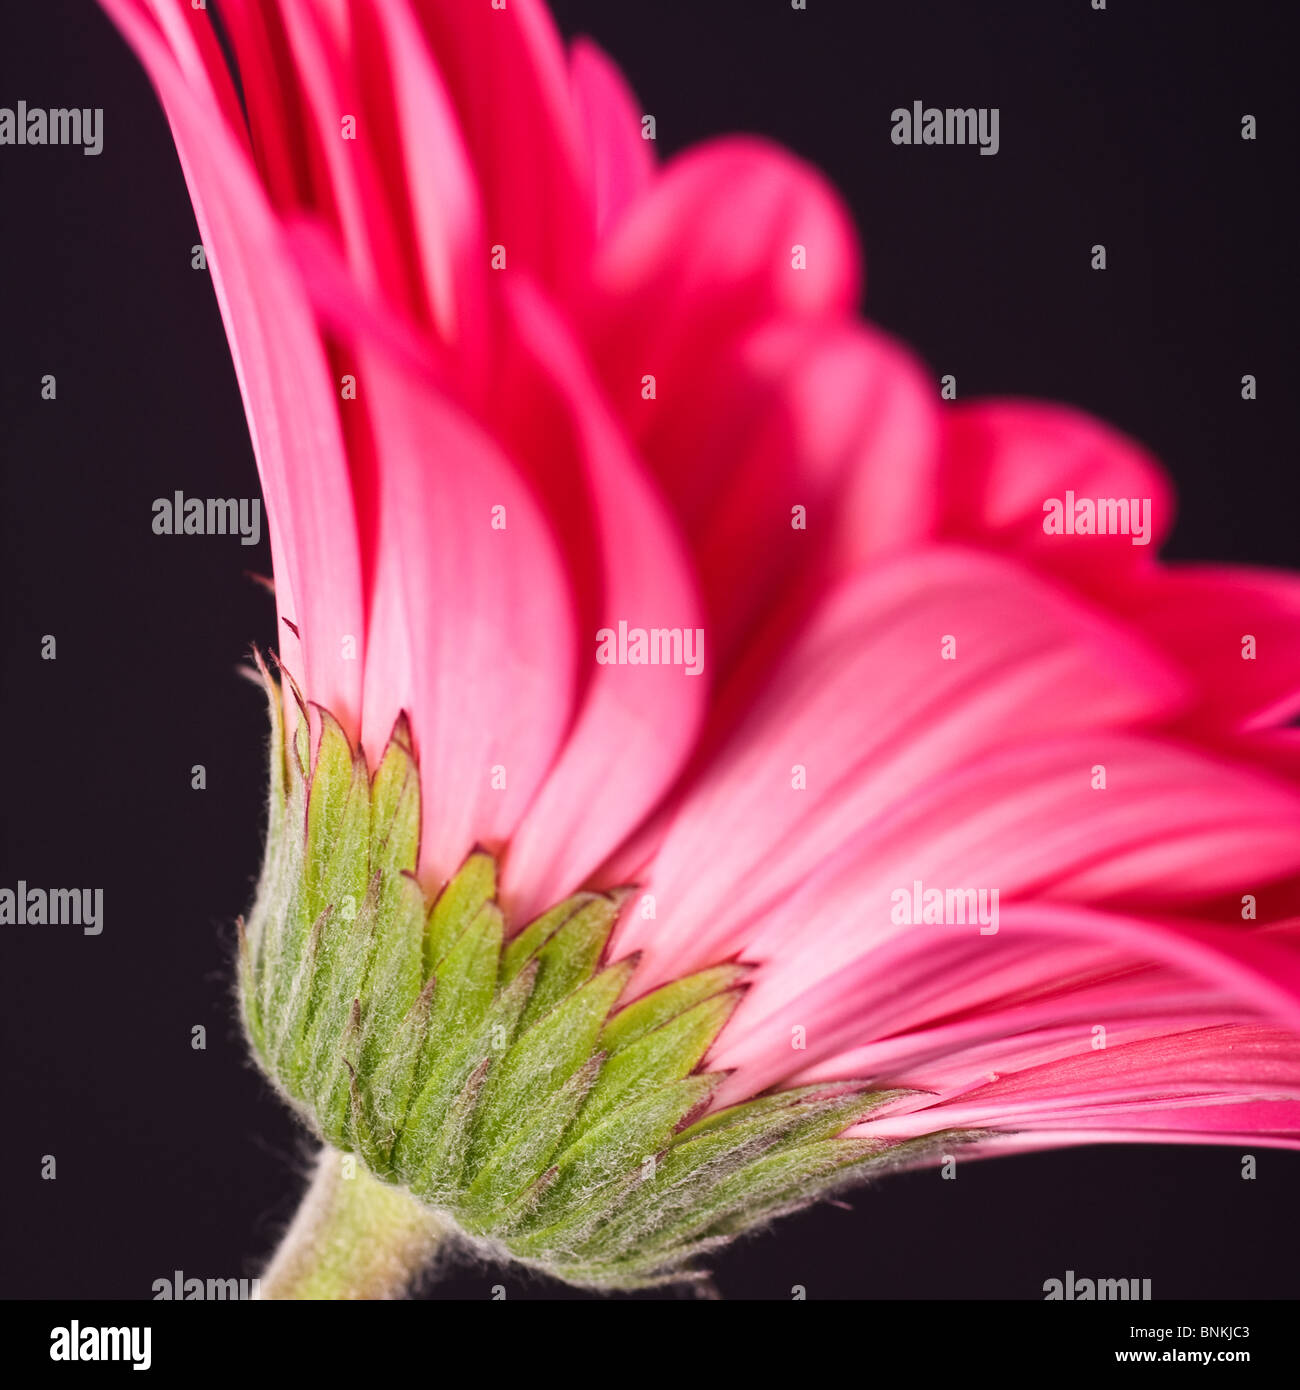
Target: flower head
column 619, row 566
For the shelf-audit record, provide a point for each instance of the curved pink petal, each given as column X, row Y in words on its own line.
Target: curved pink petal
column 939, row 1006
column 867, row 705
column 811, row 445
column 620, row 159
column 507, row 72
column 637, row 722
column 472, row 629
column 706, row 256
column 1235, row 630
column 1003, row 459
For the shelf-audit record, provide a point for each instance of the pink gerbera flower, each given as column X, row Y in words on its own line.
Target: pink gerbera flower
column 706, row 779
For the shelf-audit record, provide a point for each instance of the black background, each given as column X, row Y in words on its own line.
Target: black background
column 1120, row 127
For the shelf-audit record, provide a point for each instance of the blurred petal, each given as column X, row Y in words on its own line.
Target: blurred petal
column 707, row 255
column 620, row 159
column 1004, row 459
column 1202, row 616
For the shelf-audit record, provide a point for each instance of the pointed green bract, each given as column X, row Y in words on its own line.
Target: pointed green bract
column 571, row 955
column 395, row 803
column 501, row 1078
column 648, row 1012
column 457, row 906
column 536, row 934
column 668, row 1053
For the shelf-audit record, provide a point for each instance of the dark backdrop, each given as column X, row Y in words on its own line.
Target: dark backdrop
column 1119, row 127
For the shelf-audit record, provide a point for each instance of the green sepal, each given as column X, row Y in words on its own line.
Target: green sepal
column 519, row 1161
column 636, row 1019
column 667, row 1053
column 809, row 1112
column 571, row 954
column 545, row 1057
column 457, row 905
column 432, row 1150
column 499, row 1078
column 618, row 1146
column 526, row 944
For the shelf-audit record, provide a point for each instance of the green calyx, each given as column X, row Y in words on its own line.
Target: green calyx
column 494, row 1075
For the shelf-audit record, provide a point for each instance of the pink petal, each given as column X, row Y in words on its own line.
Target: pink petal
column 1201, row 614
column 1172, row 826
column 866, row 704
column 507, row 73
column 194, row 46
column 1004, row 459
column 472, row 628
column 704, row 258
column 833, row 419
column 429, row 173
column 346, row 172
column 1160, row 1082
column 936, row 1007
column 274, row 99
column 621, row 161
column 637, row 723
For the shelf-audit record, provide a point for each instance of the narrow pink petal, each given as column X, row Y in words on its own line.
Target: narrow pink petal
column 1049, row 991
column 1178, row 827
column 273, row 97
column 922, row 1005
column 1161, row 1082
column 507, row 73
column 194, row 45
column 347, row 171
column 472, row 628
column 637, row 723
column 865, row 703
column 1238, row 1124
column 429, row 171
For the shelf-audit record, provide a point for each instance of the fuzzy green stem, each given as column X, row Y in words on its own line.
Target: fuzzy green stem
column 352, row 1238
